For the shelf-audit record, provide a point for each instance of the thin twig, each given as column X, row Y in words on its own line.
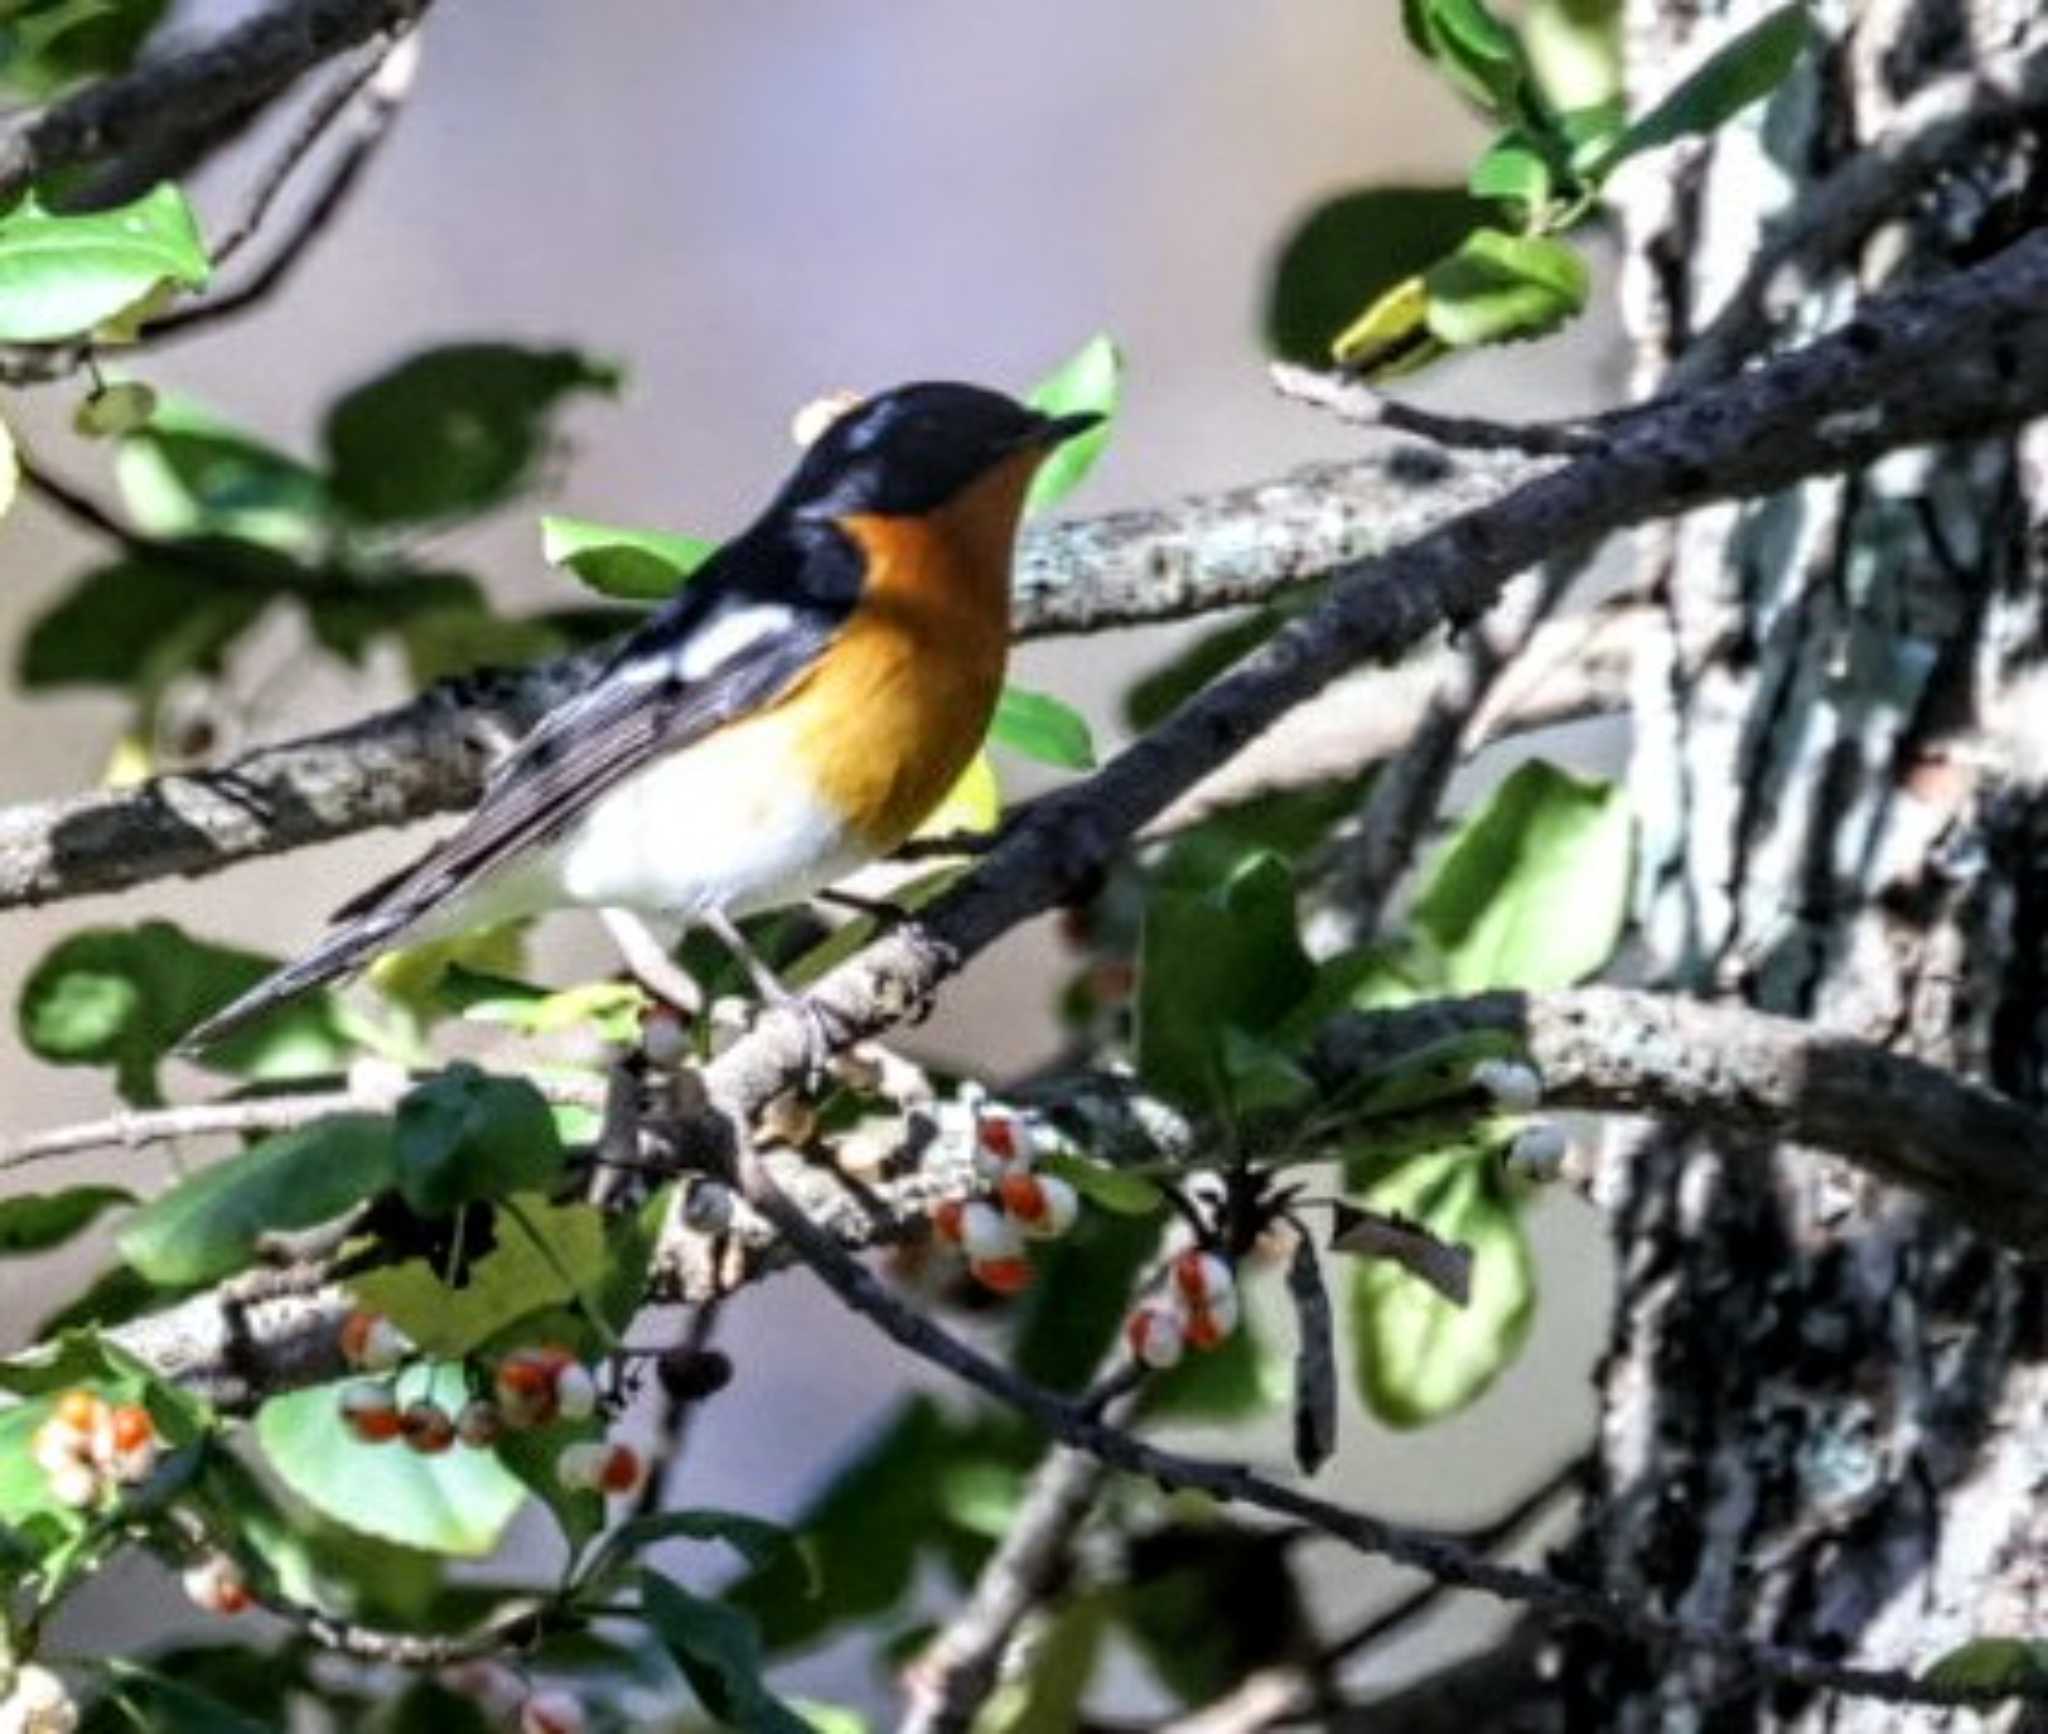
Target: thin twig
column 137, row 1128
column 1367, row 863
column 953, row 1677
column 1442, row 1556
column 1350, row 399
column 372, row 100
column 1279, row 1694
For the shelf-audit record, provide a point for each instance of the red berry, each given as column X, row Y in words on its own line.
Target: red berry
column 948, row 1220
column 1022, row 1197
column 621, row 1472
column 526, row 1386
column 1003, row 1275
column 999, row 1136
column 130, row 1427
column 428, row 1428
column 370, row 1412
column 1202, row 1277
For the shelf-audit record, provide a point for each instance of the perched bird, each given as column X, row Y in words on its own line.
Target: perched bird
column 794, row 712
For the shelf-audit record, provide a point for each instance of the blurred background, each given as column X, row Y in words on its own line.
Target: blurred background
column 746, row 207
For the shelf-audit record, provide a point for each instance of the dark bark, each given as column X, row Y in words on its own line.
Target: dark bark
column 1822, row 1403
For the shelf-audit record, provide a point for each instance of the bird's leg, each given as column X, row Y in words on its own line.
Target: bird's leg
column 818, row 1045
column 648, row 960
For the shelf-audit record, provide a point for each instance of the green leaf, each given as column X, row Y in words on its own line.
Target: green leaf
column 2011, row 1665
column 611, row 1009
column 158, row 1704
column 209, row 1225
column 1418, row 1357
column 1114, row 1189
column 1532, row 890
column 350, row 617
column 1242, row 1377
column 139, row 623
column 46, row 45
column 114, row 410
column 190, row 472
column 1513, row 168
column 119, row 1293
column 1209, row 960
column 1090, row 379
column 758, row 1542
column 123, row 997
column 465, row 1136
column 1071, row 1316
column 457, row 1503
column 60, row 276
column 1574, row 49
column 1041, row 727
column 1500, row 288
column 633, row 565
column 1349, row 251
column 510, row 1282
column 451, row 431
column 1209, row 1604
column 1478, row 53
column 36, row 1221
column 1046, row 1697
column 718, row 1649
column 1742, row 71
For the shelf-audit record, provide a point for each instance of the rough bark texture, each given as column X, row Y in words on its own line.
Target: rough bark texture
column 1825, row 1407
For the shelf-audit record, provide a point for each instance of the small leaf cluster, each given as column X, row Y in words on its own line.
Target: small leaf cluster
column 1387, row 280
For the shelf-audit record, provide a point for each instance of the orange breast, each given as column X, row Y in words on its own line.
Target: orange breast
column 893, row 713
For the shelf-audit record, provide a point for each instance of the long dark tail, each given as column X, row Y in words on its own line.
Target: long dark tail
column 369, row 924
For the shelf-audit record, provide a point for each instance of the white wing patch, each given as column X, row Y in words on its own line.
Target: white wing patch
column 717, row 643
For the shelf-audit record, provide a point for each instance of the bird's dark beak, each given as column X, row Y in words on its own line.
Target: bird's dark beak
column 1056, row 430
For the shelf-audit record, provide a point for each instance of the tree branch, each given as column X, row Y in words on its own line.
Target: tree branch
column 429, row 756
column 245, row 64
column 1803, row 412
column 1442, row 1557
column 1611, row 1050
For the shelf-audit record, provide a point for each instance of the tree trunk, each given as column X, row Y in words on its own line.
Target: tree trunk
column 1824, row 1408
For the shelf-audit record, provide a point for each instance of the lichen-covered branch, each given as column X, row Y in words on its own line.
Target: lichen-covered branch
column 429, row 756
column 1614, row 1051
column 244, row 64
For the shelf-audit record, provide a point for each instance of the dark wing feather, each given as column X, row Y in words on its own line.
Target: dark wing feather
column 637, row 709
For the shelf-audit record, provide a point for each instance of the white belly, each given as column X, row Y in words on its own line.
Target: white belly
column 728, row 824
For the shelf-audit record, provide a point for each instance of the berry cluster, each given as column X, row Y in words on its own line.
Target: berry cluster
column 530, row 1387
column 1029, row 1205
column 90, row 1448
column 1198, row 1310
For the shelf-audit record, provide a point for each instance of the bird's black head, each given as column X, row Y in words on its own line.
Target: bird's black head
column 907, row 451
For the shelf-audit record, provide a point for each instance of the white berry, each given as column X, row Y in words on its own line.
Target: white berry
column 1538, row 1152
column 1514, row 1086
